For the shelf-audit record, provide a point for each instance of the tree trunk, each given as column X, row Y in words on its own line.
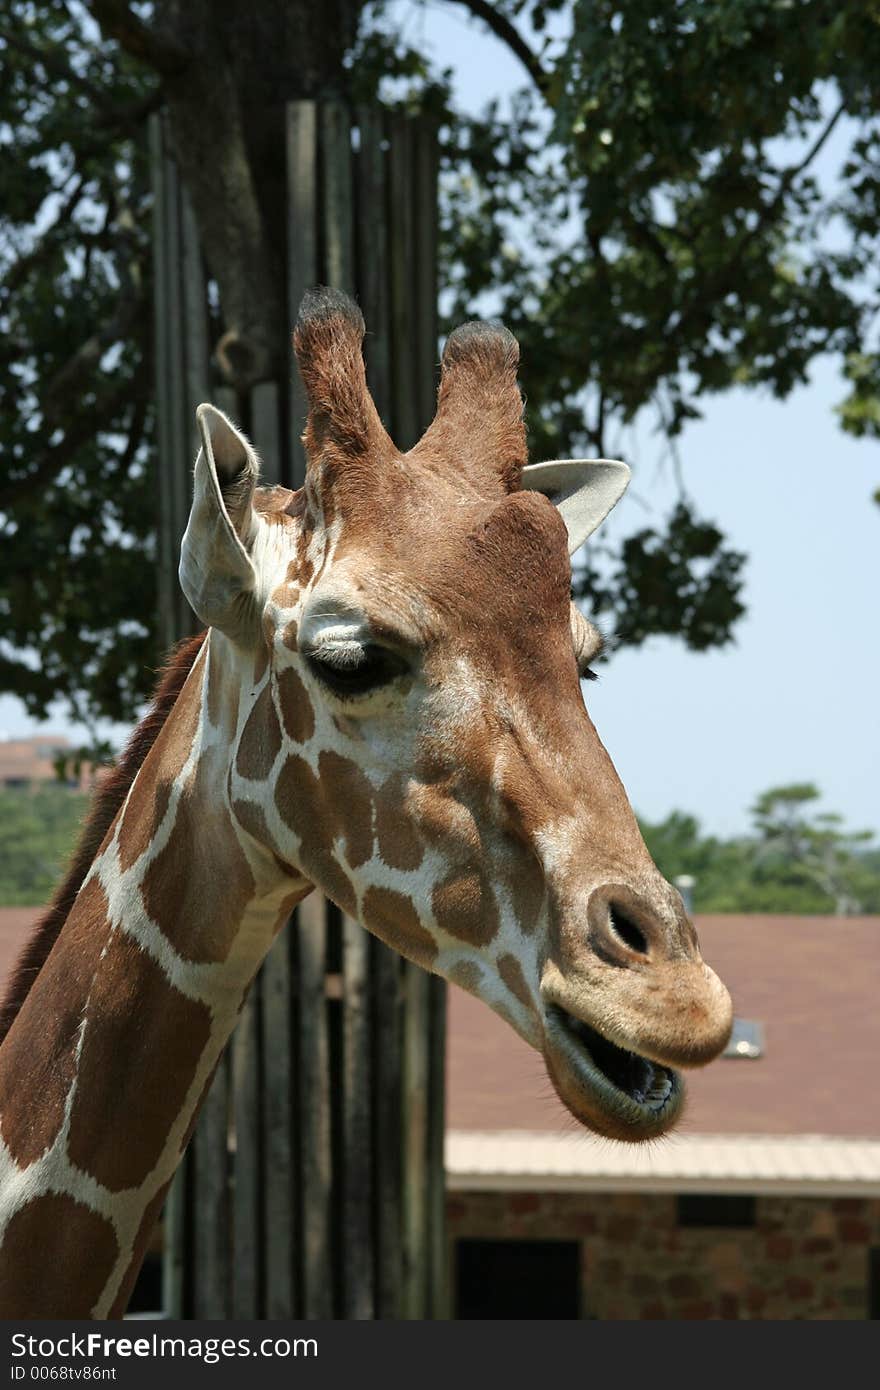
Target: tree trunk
column 226, row 113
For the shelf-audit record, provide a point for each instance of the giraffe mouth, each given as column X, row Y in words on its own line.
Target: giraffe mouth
column 612, row 1090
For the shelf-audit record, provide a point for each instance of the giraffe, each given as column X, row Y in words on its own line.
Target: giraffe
column 385, row 704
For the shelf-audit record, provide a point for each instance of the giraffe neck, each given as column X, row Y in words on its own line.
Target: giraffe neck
column 104, row 1070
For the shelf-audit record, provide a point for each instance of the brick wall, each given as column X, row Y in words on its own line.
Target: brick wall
column 806, row 1257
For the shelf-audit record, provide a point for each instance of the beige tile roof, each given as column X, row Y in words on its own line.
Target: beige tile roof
column 802, row 1164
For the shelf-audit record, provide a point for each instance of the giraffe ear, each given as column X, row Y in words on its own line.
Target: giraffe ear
column 216, row 571
column 584, row 490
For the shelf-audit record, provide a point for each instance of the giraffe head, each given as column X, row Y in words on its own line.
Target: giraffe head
column 412, row 736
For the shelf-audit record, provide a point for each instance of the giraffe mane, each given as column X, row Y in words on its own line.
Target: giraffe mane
column 106, row 802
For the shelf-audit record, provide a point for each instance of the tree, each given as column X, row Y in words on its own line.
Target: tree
column 813, row 848
column 635, row 223
column 38, row 831
column 797, row 859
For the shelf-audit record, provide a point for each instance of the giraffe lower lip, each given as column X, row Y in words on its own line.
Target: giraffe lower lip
column 611, row 1089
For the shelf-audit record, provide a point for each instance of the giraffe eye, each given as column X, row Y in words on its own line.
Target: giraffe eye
column 351, row 669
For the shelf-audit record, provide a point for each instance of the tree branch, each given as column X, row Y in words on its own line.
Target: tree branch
column 54, row 63
column 52, row 459
column 22, row 680
column 137, row 423
column 505, row 31
column 83, row 363
column 110, row 116
column 599, row 431
column 725, row 278
column 787, row 179
column 20, row 269
column 647, row 236
column 158, row 48
column 791, row 174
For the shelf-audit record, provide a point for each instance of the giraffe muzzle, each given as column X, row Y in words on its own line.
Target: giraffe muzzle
column 612, row 1090
column 627, row 1001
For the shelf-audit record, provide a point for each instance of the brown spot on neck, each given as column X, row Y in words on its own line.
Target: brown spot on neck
column 148, row 802
column 393, row 918
column 467, row 975
column 511, row 973
column 38, row 1058
column 464, row 906
column 527, row 888
column 197, row 888
column 252, row 820
column 296, row 706
column 302, row 803
column 349, row 800
column 142, row 1044
column 260, row 740
column 84, row 1251
column 400, row 845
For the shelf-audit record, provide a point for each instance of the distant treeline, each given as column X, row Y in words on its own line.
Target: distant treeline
column 38, row 831
column 795, row 860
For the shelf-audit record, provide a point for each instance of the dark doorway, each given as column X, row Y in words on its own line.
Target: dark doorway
column 733, row 1212
column 518, row 1279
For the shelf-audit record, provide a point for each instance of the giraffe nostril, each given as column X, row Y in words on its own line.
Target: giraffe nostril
column 626, row 929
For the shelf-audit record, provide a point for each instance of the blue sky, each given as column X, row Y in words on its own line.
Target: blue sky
column 795, row 698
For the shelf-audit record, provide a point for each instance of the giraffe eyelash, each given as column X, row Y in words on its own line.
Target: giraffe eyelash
column 352, row 669
column 341, row 656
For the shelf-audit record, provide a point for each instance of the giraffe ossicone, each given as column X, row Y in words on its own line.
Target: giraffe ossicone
column 386, row 706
